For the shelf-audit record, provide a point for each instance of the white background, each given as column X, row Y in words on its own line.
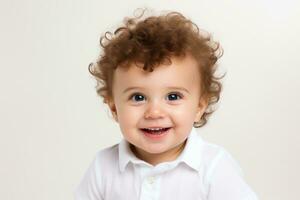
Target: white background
column 52, row 122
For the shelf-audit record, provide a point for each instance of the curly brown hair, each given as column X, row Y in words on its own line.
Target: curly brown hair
column 153, row 41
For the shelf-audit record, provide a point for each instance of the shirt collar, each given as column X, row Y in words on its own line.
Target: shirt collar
column 191, row 155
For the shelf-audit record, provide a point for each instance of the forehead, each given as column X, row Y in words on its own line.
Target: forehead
column 182, row 72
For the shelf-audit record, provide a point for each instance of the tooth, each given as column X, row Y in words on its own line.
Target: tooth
column 155, row 129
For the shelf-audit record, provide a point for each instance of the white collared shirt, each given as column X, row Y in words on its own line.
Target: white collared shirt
column 203, row 171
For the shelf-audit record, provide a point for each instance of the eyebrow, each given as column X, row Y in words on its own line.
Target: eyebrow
column 173, row 88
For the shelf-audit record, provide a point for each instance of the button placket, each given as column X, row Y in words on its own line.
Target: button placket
column 151, row 180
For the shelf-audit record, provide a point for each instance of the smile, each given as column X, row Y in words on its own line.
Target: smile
column 155, row 133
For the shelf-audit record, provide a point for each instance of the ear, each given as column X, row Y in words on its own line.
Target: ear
column 200, row 109
column 113, row 109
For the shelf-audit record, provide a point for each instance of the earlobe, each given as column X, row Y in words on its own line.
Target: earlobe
column 113, row 110
column 198, row 116
column 115, row 116
column 201, row 108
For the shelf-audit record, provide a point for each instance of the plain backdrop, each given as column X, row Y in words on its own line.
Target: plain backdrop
column 52, row 123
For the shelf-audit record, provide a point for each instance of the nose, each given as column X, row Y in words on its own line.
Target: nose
column 154, row 111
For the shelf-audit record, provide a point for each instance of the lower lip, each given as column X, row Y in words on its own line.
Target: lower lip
column 156, row 136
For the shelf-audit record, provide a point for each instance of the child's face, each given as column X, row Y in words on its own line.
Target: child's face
column 168, row 97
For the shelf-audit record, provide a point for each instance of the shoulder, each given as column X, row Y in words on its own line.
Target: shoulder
column 92, row 183
column 106, row 161
column 223, row 175
column 214, row 155
column 104, row 158
column 108, row 154
column 103, row 161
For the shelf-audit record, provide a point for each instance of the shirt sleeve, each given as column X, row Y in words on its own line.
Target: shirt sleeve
column 89, row 186
column 225, row 178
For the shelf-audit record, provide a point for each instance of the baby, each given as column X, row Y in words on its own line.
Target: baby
column 156, row 75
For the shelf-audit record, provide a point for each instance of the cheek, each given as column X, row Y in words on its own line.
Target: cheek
column 187, row 109
column 129, row 115
column 184, row 115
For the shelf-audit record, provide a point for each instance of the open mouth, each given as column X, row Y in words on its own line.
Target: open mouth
column 155, row 131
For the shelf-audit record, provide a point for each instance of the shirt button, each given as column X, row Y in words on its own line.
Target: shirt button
column 151, row 179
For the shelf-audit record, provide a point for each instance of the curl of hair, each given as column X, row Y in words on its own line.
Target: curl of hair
column 153, row 41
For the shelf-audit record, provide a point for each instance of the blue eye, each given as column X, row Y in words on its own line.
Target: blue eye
column 174, row 96
column 137, row 97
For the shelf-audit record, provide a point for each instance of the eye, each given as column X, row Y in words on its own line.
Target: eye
column 137, row 97
column 174, row 96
